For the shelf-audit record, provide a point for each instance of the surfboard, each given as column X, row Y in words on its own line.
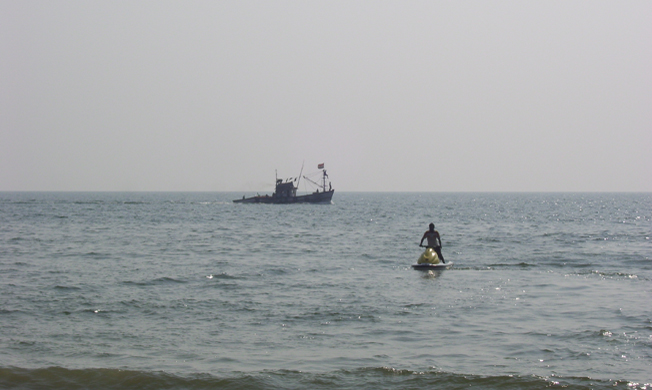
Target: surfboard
column 432, row 267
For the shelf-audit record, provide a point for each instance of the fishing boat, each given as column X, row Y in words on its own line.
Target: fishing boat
column 286, row 191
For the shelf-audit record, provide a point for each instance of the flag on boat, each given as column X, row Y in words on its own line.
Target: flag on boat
column 320, row 166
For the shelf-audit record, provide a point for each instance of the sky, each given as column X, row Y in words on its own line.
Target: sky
column 431, row 96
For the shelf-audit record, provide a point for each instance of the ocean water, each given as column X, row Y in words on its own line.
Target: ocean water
column 191, row 291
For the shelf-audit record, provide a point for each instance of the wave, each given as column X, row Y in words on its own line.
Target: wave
column 360, row 378
column 67, row 288
column 157, row 281
column 223, row 276
column 581, row 269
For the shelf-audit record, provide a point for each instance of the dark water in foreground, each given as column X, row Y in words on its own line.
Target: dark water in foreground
column 191, row 291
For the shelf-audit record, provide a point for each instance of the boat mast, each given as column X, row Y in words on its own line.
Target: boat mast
column 299, row 179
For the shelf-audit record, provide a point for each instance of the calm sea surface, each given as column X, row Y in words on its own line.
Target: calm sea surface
column 191, row 291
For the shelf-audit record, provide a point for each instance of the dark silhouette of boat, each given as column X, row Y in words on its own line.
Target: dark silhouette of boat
column 286, row 192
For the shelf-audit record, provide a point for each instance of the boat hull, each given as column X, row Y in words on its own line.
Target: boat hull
column 432, row 267
column 315, row 197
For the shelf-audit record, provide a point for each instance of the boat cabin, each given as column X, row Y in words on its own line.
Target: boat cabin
column 285, row 190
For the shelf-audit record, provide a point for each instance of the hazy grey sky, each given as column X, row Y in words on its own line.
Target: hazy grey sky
column 390, row 95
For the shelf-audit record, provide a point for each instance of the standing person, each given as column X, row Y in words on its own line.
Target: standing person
column 434, row 241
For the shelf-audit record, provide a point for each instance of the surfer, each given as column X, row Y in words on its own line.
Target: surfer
column 434, row 241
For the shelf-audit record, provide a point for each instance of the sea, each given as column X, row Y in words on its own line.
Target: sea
column 173, row 290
